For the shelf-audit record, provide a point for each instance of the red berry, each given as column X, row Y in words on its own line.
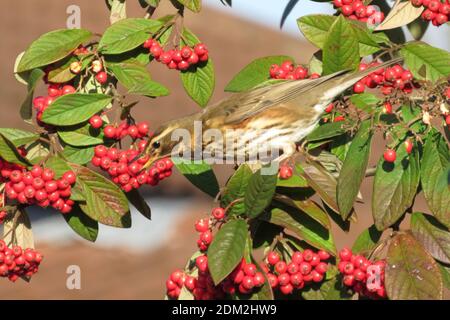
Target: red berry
column 250, row 269
column 281, row 267
column 292, row 268
column 358, row 87
column 408, row 146
column 206, row 237
column 321, row 268
column 285, row 172
column 218, row 213
column 70, row 177
column 110, row 132
column 345, row 254
column 387, row 108
column 36, row 171
column 284, row 279
column 48, row 174
column 202, row 225
column 101, row 77
column 447, row 120
column 323, row 255
column 305, row 268
column 297, row 257
column 96, row 122
column 200, row 49
column 390, row 155
column 287, row 289
column 273, row 258
column 349, row 280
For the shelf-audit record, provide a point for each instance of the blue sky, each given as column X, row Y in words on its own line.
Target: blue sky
column 269, row 12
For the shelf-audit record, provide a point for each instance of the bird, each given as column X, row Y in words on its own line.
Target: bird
column 263, row 124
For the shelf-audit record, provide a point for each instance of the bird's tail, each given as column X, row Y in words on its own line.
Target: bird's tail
column 338, row 82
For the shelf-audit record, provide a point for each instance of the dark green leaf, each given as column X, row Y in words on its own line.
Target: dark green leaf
column 227, row 249
column 200, row 175
column 327, row 290
column 75, row 108
column 136, row 199
column 435, row 175
column 26, row 108
column 367, row 240
column 341, row 49
column 325, row 131
column 127, row 34
column 235, row 189
column 434, row 237
column 255, row 73
column 82, row 224
column 353, row 169
column 259, row 192
column 365, row 101
column 303, row 226
column 394, row 188
column 105, row 202
column 52, row 47
column 411, row 273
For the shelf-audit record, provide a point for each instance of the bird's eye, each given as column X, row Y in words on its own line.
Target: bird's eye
column 156, row 145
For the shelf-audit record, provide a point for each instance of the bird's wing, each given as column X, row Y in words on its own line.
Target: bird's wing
column 240, row 106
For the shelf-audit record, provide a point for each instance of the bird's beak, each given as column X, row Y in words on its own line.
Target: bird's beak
column 150, row 161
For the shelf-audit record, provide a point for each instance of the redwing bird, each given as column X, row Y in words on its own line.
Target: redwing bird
column 274, row 117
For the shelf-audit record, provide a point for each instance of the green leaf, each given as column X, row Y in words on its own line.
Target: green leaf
column 136, row 79
column 435, row 171
column 82, row 224
column 193, row 5
column 235, row 189
column 78, row 155
column 326, row 131
column 199, row 80
column 255, row 73
column 75, row 108
column 341, row 49
column 367, row 240
column 365, row 101
column 434, row 237
column 315, row 29
column 81, row 136
column 353, row 169
column 26, row 110
column 259, row 192
column 227, row 249
column 426, row 62
column 411, row 273
column 18, row 137
column 307, row 206
column 105, row 202
column 136, row 199
column 395, row 186
column 127, row 34
column 302, row 226
column 200, row 175
column 296, row 181
column 445, row 271
column 332, row 289
column 9, row 152
column 62, row 73
column 322, row 182
column 52, row 47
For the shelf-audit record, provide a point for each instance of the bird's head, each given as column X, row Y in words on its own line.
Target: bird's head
column 165, row 139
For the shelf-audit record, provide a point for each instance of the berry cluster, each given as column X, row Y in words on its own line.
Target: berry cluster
column 288, row 71
column 180, row 59
column 202, row 226
column 54, row 91
column 394, row 77
column 16, row 262
column 100, row 75
column 356, row 10
column 390, row 155
column 285, row 172
column 127, row 172
column 359, row 274
column 177, row 280
column 137, row 131
column 436, row 11
column 244, row 278
column 38, row 186
column 305, row 267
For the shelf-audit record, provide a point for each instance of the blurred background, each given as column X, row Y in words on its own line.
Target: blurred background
column 134, row 263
